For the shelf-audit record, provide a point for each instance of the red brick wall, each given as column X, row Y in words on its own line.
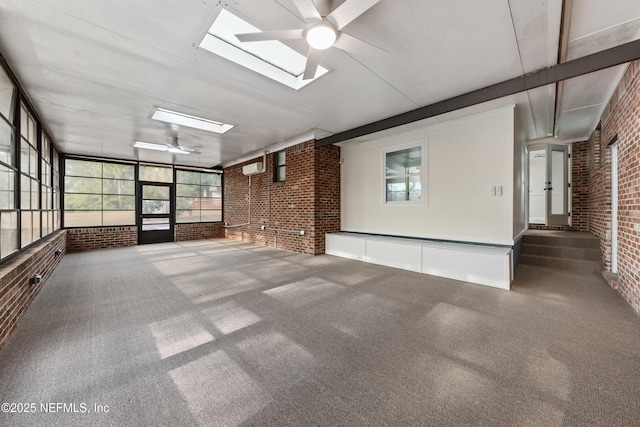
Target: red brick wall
column 620, row 122
column 580, row 186
column 82, row 239
column 600, row 195
column 327, row 194
column 284, row 209
column 195, row 231
column 16, row 293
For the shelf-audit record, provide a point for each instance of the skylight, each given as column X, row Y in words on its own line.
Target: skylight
column 188, row 120
column 272, row 58
column 159, row 147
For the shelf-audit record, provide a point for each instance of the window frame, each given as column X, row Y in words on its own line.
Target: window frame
column 12, row 212
column 24, row 136
column 179, row 185
column 101, row 193
column 29, row 167
column 423, row 200
column 277, row 166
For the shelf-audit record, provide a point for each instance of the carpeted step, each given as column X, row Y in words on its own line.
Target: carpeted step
column 583, row 241
column 570, row 252
column 561, row 263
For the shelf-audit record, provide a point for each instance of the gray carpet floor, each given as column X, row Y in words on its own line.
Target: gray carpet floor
column 222, row 333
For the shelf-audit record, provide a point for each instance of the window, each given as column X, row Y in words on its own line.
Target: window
column 98, row 193
column 7, row 96
column 56, row 190
column 8, row 169
column 46, row 186
column 280, row 165
column 198, row 196
column 404, row 176
column 155, row 173
column 29, row 189
column 272, row 58
column 29, row 179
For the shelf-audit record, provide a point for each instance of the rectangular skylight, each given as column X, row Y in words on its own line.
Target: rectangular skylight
column 191, row 121
column 272, row 58
column 158, row 147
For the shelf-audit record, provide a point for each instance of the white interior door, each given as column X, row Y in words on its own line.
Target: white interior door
column 537, row 186
column 557, row 185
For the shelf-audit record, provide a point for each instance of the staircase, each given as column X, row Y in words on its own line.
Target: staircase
column 567, row 250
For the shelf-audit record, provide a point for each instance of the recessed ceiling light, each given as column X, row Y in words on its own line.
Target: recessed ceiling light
column 188, row 120
column 158, row 147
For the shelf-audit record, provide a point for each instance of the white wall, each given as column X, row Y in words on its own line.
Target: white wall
column 466, row 157
column 520, row 183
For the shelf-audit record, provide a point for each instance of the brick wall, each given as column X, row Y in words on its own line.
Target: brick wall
column 620, row 122
column 16, row 293
column 327, row 194
column 580, row 186
column 600, row 195
column 82, row 239
column 204, row 230
column 308, row 199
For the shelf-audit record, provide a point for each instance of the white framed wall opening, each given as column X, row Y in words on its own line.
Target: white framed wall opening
column 405, row 174
column 549, row 184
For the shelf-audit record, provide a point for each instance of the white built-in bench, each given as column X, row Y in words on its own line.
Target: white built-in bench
column 473, row 263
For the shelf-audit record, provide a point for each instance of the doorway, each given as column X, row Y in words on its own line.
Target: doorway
column 549, row 187
column 156, row 213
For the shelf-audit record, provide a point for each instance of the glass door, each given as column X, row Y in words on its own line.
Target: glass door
column 155, row 212
column 557, row 185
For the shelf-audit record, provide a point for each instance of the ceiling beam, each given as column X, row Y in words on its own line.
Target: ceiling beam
column 587, row 64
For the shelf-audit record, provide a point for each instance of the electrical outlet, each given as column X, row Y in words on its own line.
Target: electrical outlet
column 262, row 227
column 302, row 232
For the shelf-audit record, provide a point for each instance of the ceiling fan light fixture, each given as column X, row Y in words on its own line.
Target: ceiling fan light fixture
column 321, row 36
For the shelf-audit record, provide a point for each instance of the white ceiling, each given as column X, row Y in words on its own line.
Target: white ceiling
column 94, row 70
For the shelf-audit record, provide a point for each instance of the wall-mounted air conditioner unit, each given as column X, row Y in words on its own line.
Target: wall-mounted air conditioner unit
column 252, row 169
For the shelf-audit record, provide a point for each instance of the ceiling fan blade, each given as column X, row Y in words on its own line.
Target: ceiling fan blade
column 356, row 46
column 270, row 35
column 313, row 60
column 178, row 150
column 308, row 10
column 348, row 11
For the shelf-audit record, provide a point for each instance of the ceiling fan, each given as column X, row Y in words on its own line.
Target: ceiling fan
column 175, row 147
column 321, row 31
column 173, row 143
